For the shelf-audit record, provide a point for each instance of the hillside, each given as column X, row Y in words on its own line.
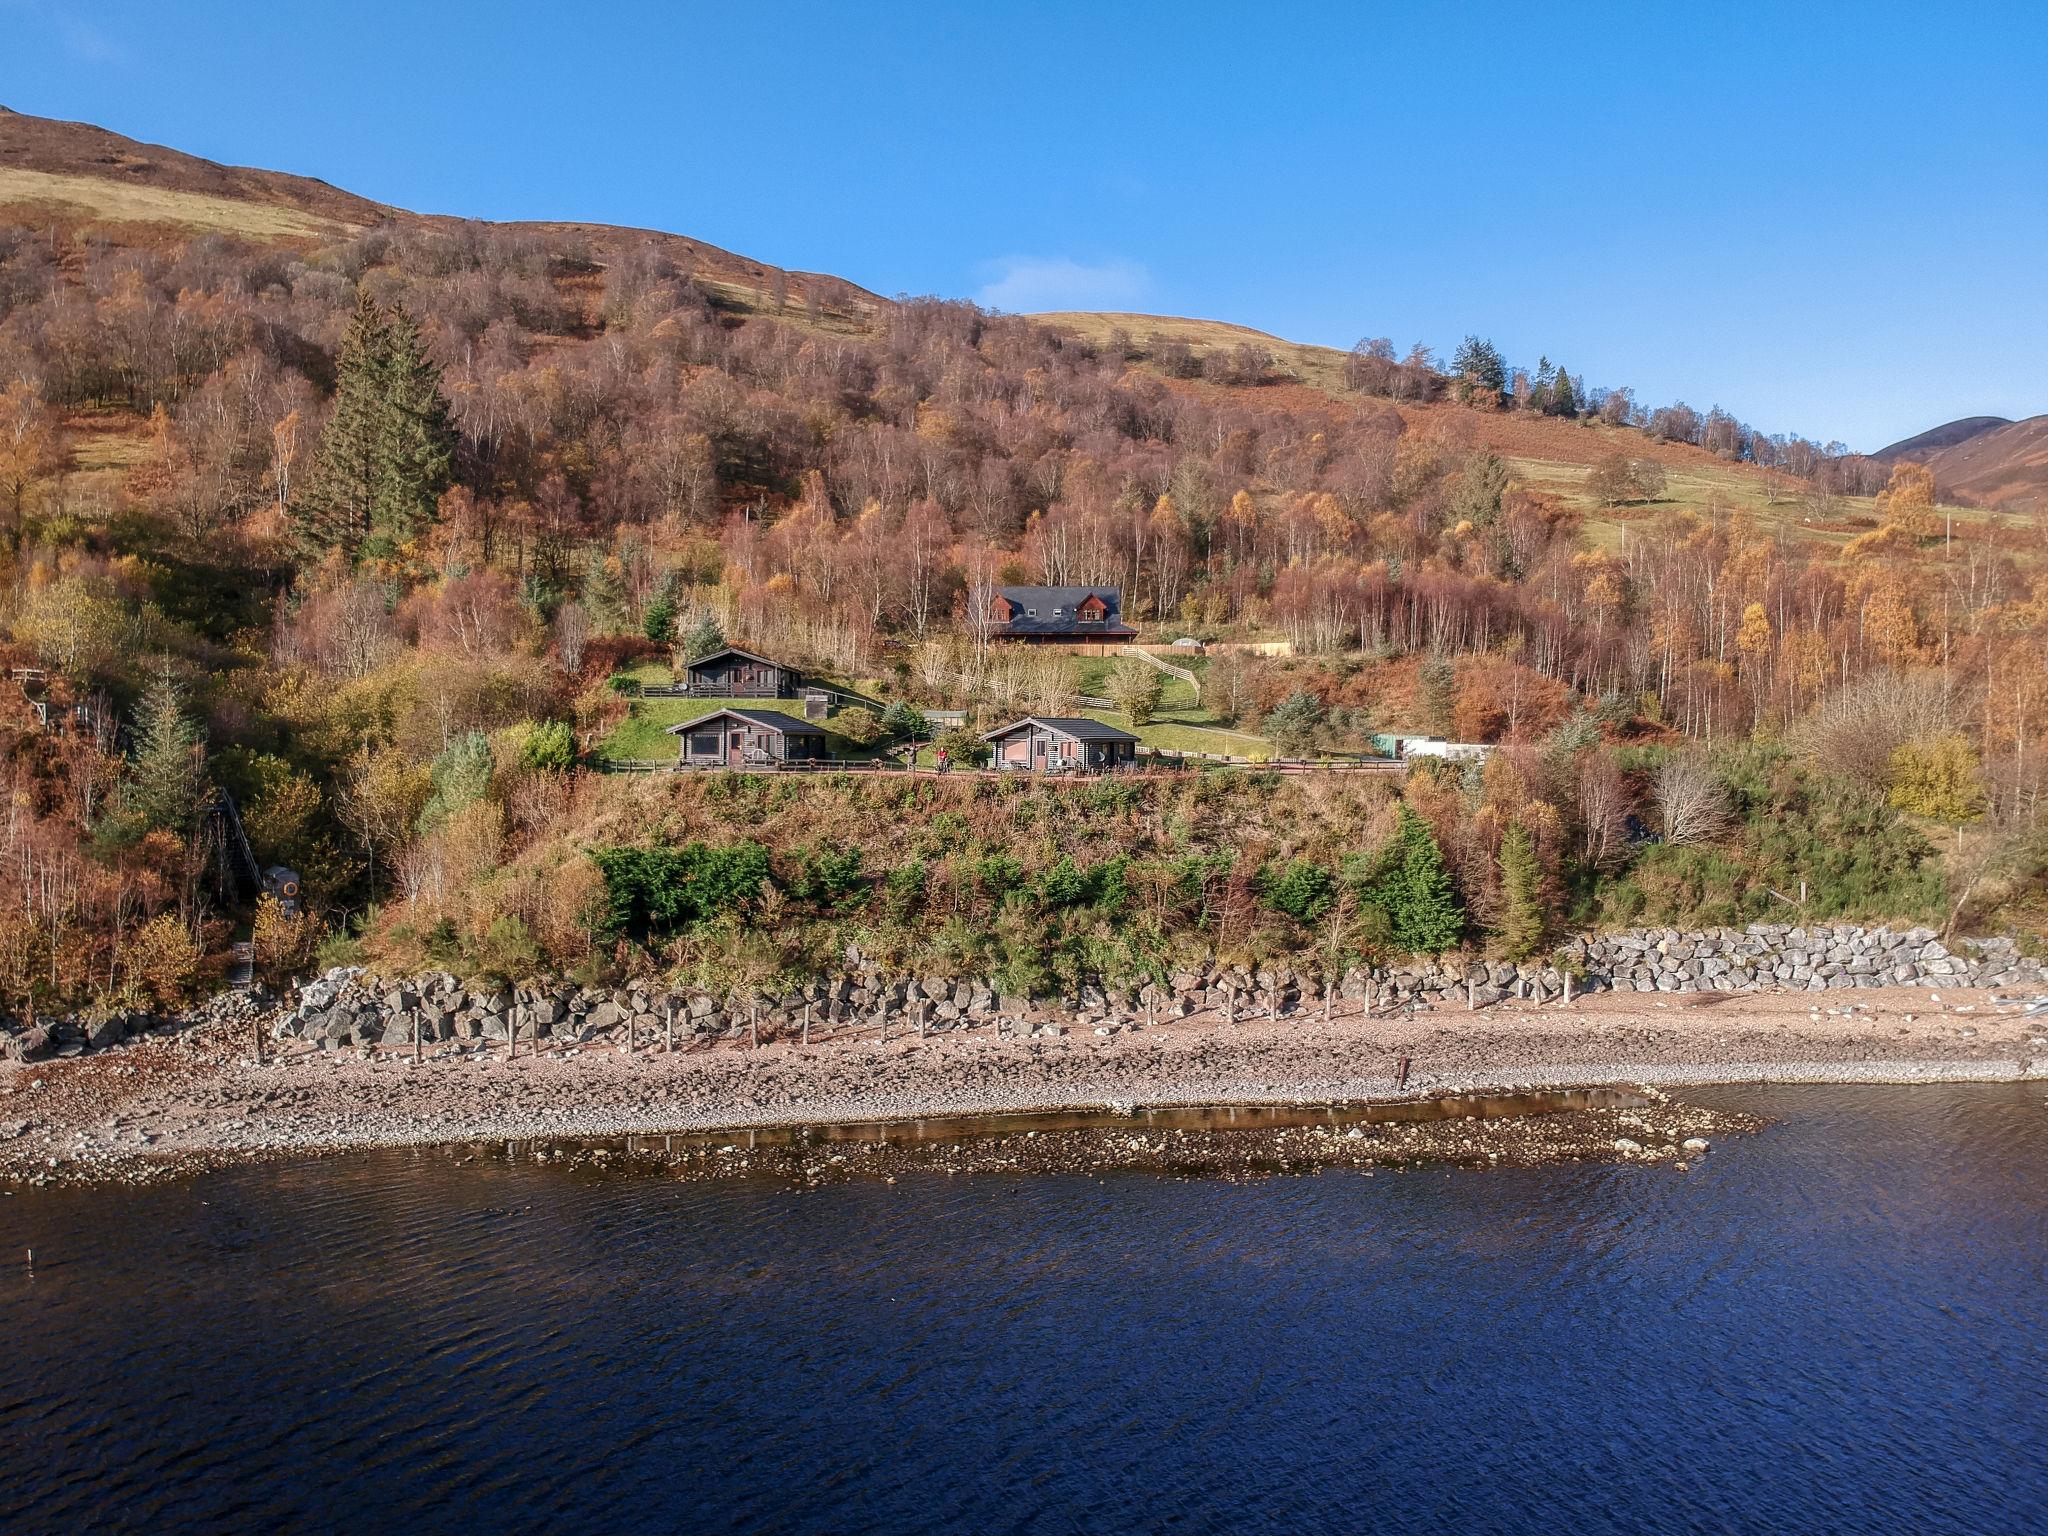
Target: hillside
column 79, row 176
column 1985, row 461
column 408, row 668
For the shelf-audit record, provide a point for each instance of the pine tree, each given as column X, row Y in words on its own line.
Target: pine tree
column 167, row 782
column 333, row 507
column 705, row 636
column 1439, row 695
column 388, row 452
column 415, row 453
column 1421, row 904
column 1521, row 924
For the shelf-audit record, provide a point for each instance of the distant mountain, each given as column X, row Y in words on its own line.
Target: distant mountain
column 1984, row 461
column 1947, row 435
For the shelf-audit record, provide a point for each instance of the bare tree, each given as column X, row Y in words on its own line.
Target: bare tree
column 1689, row 795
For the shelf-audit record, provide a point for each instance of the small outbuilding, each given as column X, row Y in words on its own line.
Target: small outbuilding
column 1061, row 744
column 736, row 674
column 748, row 738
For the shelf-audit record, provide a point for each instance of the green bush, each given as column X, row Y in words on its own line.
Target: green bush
column 1302, row 890
column 653, row 892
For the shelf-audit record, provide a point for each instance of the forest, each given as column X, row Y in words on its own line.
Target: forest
column 338, row 544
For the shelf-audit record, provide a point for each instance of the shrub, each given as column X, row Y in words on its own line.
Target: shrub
column 1304, row 891
column 862, row 727
column 650, row 892
column 1136, row 687
column 163, row 961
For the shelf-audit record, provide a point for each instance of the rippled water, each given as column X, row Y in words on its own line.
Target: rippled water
column 1833, row 1326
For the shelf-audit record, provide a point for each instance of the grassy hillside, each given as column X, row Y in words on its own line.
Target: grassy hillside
column 1320, row 366
column 95, row 200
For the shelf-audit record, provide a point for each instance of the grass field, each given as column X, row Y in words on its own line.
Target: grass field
column 1179, row 724
column 1321, row 366
column 1735, row 487
column 122, row 203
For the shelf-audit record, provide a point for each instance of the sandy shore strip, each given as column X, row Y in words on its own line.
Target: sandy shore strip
column 167, row 1104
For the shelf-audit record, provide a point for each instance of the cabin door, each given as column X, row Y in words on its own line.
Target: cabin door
column 736, row 749
column 1038, row 753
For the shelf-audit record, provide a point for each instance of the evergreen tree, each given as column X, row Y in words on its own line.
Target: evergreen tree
column 1521, row 924
column 704, row 637
column 333, row 507
column 659, row 621
column 1295, row 721
column 1439, row 696
column 415, row 455
column 1563, row 399
column 604, row 594
column 1478, row 366
column 388, row 451
column 1421, row 905
column 166, row 788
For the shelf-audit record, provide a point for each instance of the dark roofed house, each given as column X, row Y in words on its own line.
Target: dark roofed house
column 747, row 738
column 736, row 674
column 1060, row 615
column 1061, row 744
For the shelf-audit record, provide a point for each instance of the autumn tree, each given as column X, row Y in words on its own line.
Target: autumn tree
column 31, row 449
column 1939, row 778
column 1135, row 687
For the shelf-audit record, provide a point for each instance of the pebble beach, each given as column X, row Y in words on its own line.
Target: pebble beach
column 161, row 1105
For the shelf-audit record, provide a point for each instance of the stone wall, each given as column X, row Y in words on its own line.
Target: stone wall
column 348, row 1008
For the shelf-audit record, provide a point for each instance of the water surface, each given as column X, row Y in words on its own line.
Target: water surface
column 1831, row 1326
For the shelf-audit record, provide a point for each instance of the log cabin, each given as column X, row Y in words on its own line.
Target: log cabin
column 736, row 674
column 1061, row 744
column 1059, row 615
column 747, row 738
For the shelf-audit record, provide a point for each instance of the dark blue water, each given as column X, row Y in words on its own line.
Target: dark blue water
column 1833, row 1326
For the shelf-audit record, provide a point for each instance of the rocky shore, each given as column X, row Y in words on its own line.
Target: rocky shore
column 177, row 1099
column 347, row 1009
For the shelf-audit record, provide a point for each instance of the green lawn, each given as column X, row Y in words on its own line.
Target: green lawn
column 643, row 735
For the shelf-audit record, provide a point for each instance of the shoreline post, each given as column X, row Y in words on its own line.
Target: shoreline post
column 415, row 1036
column 807, row 1023
column 754, row 1023
column 668, row 1044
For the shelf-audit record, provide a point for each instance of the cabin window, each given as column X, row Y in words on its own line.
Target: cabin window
column 1033, row 612
column 704, row 744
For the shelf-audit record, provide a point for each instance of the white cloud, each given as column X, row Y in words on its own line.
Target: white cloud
column 1026, row 284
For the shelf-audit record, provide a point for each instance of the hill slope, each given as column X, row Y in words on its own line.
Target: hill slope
column 1948, row 435
column 2004, row 466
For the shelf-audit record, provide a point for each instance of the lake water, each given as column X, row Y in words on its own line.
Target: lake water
column 1835, row 1325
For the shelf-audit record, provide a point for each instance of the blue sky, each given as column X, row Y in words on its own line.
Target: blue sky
column 1829, row 219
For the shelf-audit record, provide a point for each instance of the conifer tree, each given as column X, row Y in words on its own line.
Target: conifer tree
column 1521, row 924
column 387, row 453
column 167, row 783
column 1421, row 904
column 333, row 507
column 415, row 445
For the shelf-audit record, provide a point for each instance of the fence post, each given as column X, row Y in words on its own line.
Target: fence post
column 807, row 1023
column 1471, row 995
column 668, row 1044
column 1567, row 989
column 415, row 1035
column 754, row 1023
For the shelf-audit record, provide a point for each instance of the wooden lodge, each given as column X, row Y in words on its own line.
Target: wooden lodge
column 1061, row 744
column 1071, row 616
column 747, row 738
column 736, row 674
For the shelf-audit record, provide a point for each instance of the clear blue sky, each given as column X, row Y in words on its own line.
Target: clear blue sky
column 1830, row 219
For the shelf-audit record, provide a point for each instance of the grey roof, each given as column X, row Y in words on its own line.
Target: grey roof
column 1075, row 726
column 767, row 719
column 1066, row 599
column 733, row 650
